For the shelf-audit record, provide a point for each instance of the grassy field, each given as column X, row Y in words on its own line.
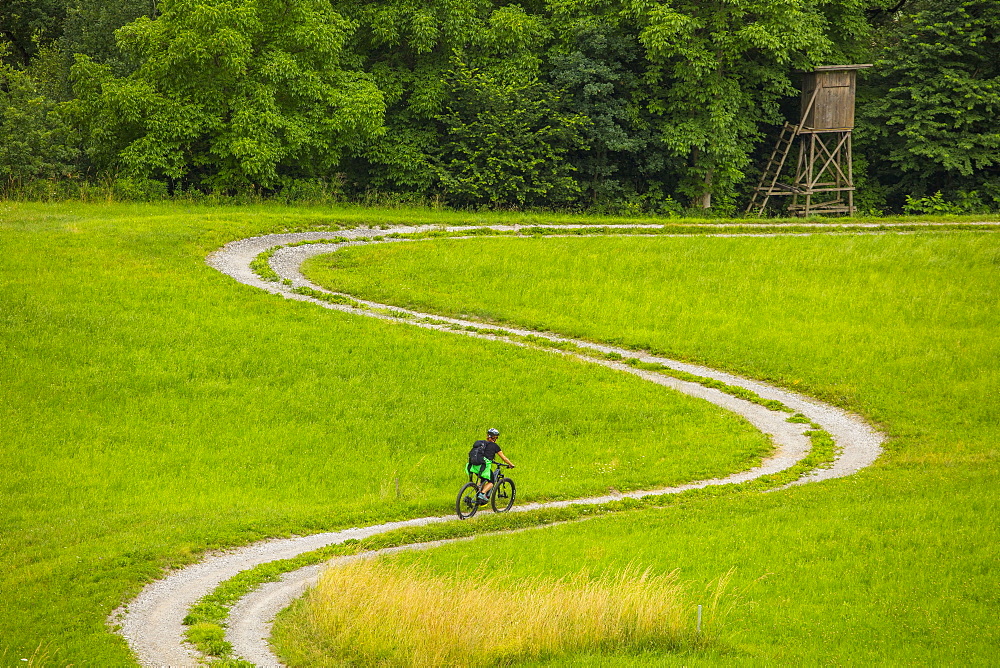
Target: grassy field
column 896, row 565
column 153, row 408
column 376, row 613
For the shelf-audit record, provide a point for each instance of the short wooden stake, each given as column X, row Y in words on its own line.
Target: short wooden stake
column 699, row 619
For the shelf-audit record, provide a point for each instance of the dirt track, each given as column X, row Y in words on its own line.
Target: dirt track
column 151, row 623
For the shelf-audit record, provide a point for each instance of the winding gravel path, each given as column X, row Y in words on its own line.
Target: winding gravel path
column 151, row 623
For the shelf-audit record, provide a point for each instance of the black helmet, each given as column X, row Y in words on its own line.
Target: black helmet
column 492, row 432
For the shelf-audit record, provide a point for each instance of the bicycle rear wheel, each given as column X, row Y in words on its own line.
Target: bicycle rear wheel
column 503, row 494
column 466, row 504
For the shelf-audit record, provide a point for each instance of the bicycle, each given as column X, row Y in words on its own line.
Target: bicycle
column 501, row 496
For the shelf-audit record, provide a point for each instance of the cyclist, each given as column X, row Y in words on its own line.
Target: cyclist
column 487, row 451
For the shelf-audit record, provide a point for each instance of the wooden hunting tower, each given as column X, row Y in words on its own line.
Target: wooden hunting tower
column 824, row 178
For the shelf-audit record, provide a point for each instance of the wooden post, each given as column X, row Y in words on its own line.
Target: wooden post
column 850, row 175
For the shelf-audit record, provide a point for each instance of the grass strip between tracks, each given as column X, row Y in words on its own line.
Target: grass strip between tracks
column 207, row 618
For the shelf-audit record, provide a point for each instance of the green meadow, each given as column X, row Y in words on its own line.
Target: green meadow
column 153, row 408
column 896, row 565
column 374, row 613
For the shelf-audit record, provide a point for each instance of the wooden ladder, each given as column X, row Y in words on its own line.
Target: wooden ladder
column 773, row 170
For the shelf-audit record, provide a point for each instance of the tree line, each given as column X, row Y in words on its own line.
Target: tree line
column 617, row 106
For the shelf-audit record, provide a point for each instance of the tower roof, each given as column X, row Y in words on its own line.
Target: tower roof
column 835, row 68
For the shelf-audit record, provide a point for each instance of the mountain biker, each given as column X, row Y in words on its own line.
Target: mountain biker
column 490, row 450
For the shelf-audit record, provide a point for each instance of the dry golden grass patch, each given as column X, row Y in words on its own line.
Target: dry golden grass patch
column 373, row 612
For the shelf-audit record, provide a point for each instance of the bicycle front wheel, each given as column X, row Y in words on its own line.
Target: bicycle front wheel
column 503, row 496
column 466, row 504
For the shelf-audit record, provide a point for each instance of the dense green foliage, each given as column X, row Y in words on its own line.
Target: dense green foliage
column 226, row 94
column 39, row 138
column 871, row 569
column 617, row 105
column 503, row 144
column 937, row 109
column 26, row 23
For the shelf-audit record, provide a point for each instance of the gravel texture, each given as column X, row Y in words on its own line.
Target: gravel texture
column 151, row 623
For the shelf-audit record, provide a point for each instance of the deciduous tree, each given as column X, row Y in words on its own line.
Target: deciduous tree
column 934, row 120
column 231, row 94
